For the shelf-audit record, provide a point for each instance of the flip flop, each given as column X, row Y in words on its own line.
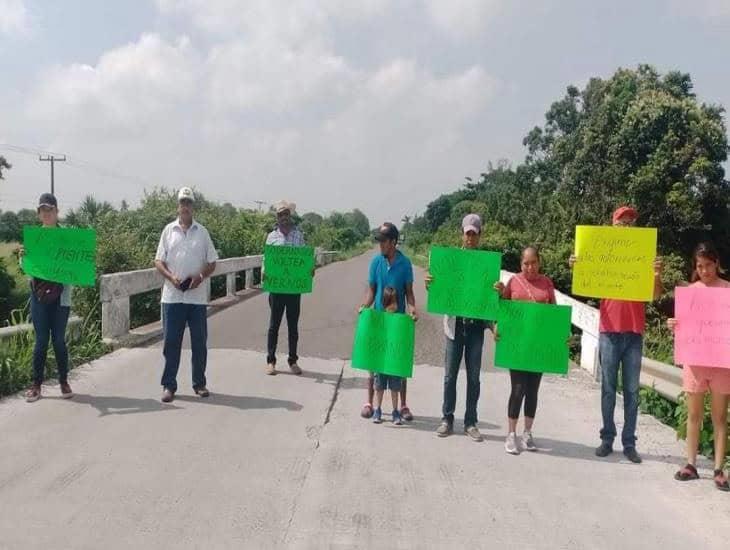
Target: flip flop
column 721, row 481
column 687, row 473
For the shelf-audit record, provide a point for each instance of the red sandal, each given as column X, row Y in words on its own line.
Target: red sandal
column 688, row 473
column 721, row 481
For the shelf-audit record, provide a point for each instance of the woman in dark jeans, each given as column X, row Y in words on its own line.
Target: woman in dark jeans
column 532, row 286
column 50, row 316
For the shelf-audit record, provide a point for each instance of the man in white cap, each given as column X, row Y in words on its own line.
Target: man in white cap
column 284, row 234
column 185, row 257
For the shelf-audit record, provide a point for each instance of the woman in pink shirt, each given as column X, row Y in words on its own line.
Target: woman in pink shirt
column 528, row 285
column 696, row 380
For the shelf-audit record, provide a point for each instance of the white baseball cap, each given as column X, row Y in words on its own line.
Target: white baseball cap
column 185, row 193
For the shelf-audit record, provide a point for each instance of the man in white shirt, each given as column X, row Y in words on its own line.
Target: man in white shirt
column 185, row 257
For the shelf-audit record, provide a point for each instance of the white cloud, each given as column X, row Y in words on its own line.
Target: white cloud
column 293, row 19
column 130, row 89
column 464, row 17
column 14, row 17
column 274, row 76
column 704, row 9
column 273, row 109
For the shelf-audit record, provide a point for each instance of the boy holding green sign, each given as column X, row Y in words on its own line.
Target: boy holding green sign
column 390, row 268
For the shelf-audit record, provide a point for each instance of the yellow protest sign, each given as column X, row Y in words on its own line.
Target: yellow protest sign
column 614, row 262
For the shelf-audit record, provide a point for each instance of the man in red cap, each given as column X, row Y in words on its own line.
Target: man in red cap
column 621, row 343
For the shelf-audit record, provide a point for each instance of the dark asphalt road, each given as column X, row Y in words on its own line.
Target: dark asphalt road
column 328, row 318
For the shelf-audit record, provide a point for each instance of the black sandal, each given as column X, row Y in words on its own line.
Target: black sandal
column 688, row 473
column 721, row 481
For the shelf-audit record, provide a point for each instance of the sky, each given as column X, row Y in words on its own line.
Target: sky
column 332, row 104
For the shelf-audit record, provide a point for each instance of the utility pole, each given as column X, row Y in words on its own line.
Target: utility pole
column 260, row 204
column 52, row 159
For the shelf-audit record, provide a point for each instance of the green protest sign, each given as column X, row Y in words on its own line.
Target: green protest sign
column 288, row 269
column 60, row 254
column 533, row 337
column 462, row 282
column 384, row 343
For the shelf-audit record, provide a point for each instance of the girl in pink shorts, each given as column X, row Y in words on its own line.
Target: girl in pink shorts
column 696, row 381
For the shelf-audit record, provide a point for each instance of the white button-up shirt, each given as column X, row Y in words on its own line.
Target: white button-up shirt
column 186, row 254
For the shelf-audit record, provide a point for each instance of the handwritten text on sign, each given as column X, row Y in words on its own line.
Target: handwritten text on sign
column 60, row 254
column 463, row 282
column 533, row 337
column 288, row 269
column 615, row 262
column 384, row 342
column 702, row 336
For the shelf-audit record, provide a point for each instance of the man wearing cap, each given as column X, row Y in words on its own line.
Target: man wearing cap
column 390, row 268
column 284, row 234
column 621, row 327
column 464, row 338
column 185, row 258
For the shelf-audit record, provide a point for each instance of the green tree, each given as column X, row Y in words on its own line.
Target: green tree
column 4, row 165
column 644, row 139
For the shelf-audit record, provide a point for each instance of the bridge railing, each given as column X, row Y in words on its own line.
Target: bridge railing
column 665, row 379
column 116, row 289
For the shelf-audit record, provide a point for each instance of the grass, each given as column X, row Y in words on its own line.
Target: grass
column 16, row 353
column 19, row 295
column 357, row 250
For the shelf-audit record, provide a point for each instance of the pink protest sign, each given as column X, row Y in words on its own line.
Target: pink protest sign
column 702, row 336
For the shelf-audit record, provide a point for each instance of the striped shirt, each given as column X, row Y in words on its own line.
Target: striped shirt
column 293, row 238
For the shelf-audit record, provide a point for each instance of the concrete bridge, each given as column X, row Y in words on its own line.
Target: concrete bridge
column 286, row 461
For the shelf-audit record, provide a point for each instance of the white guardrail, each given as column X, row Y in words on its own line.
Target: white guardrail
column 116, row 289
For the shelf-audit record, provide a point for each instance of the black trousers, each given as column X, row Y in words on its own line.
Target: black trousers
column 280, row 304
column 525, row 386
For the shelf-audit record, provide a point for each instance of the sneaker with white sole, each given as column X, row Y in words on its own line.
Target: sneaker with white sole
column 473, row 432
column 510, row 444
column 528, row 443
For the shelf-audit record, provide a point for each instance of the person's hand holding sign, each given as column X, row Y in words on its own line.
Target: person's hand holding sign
column 672, row 324
column 499, row 287
column 428, row 280
column 412, row 312
column 571, row 261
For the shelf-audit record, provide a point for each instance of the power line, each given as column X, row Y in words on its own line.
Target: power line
column 53, row 160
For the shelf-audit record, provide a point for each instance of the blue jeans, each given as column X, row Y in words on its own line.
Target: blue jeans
column 49, row 322
column 622, row 348
column 467, row 343
column 174, row 319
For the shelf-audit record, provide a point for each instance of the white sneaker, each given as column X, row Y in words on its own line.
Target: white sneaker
column 510, row 444
column 528, row 443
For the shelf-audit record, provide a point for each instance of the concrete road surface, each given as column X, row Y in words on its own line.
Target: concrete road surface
column 286, row 462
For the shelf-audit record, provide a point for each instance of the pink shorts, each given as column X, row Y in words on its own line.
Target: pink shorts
column 701, row 379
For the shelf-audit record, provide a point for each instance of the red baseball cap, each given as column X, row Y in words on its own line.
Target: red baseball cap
column 623, row 211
